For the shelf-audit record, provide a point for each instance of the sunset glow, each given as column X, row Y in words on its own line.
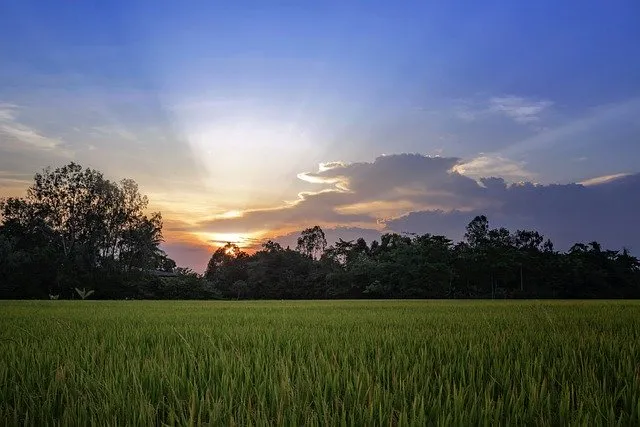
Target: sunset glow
column 248, row 240
column 249, row 123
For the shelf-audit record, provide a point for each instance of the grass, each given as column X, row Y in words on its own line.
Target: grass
column 320, row 363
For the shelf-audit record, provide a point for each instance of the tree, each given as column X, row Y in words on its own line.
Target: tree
column 312, row 242
column 78, row 227
column 227, row 265
column 528, row 240
column 223, row 257
column 477, row 231
column 271, row 246
column 240, row 288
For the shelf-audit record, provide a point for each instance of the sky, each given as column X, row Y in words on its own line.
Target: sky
column 244, row 121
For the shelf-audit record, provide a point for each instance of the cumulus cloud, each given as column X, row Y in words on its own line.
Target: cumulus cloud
column 362, row 195
column 566, row 213
column 416, row 193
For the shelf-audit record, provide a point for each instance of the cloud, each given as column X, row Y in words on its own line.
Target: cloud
column 7, row 111
column 603, row 179
column 13, row 177
column 115, row 131
column 520, row 109
column 468, row 112
column 601, row 121
column 17, row 135
column 310, row 208
column 494, row 166
column 566, row 213
column 416, row 193
column 13, row 184
column 364, row 194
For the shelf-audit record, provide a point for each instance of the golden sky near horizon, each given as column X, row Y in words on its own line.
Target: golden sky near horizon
column 245, row 123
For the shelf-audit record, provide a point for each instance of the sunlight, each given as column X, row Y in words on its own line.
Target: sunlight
column 381, row 208
column 249, row 161
column 229, row 214
column 228, row 237
column 242, row 240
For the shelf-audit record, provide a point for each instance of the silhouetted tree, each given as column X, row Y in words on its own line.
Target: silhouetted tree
column 76, row 229
column 312, row 242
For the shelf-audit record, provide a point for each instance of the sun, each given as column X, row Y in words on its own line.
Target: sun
column 242, row 240
column 236, row 238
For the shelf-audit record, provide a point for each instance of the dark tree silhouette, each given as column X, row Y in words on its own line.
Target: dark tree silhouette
column 75, row 229
column 312, row 242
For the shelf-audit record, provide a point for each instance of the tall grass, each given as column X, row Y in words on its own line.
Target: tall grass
column 319, row 363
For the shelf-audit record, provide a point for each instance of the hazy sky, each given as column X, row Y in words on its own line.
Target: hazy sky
column 246, row 120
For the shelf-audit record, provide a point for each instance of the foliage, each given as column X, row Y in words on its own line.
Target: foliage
column 73, row 228
column 83, row 293
column 312, row 242
column 490, row 263
column 320, row 363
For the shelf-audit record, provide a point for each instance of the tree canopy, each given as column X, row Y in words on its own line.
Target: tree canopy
column 489, row 263
column 77, row 232
column 75, row 229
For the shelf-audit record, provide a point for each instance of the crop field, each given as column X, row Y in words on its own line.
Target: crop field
column 320, row 363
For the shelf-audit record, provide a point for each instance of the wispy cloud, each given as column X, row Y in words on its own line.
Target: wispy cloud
column 518, row 108
column 603, row 179
column 468, row 112
column 13, row 183
column 114, row 131
column 522, row 110
column 28, row 136
column 18, row 135
column 576, row 132
column 494, row 166
column 7, row 111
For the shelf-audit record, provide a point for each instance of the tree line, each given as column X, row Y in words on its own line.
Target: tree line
column 489, row 263
column 75, row 231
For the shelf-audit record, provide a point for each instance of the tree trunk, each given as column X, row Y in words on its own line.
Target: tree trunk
column 492, row 288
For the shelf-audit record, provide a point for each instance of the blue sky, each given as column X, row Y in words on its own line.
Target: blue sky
column 218, row 107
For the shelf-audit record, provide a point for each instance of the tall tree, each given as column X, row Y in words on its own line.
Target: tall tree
column 477, row 231
column 83, row 228
column 312, row 242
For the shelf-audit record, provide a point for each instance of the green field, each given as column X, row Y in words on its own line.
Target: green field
column 320, row 363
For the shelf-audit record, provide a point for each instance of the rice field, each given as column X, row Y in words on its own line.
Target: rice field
column 320, row 363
